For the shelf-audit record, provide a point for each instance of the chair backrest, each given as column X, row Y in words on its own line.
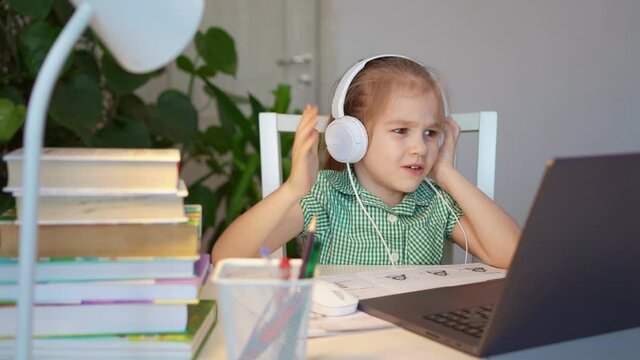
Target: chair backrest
column 485, row 123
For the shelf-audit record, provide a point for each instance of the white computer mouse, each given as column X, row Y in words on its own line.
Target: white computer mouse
column 330, row 300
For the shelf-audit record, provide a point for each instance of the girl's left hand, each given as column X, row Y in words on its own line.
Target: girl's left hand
column 447, row 152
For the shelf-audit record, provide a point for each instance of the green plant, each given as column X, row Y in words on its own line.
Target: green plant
column 94, row 105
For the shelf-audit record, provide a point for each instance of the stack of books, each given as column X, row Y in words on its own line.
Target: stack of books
column 119, row 268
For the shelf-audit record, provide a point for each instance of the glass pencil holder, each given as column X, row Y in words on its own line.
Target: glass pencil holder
column 264, row 308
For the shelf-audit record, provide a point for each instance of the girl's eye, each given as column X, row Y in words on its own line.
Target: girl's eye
column 400, row 131
column 430, row 133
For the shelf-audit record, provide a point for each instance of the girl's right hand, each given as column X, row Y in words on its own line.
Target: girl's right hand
column 304, row 154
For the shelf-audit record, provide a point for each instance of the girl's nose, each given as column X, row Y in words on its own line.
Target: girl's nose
column 419, row 146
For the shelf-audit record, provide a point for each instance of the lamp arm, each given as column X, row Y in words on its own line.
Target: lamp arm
column 32, row 143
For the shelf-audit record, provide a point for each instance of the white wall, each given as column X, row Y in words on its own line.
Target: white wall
column 563, row 75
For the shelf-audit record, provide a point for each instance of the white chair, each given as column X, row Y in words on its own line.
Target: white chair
column 485, row 123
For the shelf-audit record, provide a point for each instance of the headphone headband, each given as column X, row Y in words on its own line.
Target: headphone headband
column 340, row 95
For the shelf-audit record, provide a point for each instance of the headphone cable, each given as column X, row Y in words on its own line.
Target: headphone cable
column 355, row 191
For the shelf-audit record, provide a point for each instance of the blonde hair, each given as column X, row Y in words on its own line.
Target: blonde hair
column 372, row 88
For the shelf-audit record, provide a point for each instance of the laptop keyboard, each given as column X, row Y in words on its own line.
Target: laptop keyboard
column 471, row 321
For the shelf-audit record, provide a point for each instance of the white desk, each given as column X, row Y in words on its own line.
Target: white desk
column 398, row 343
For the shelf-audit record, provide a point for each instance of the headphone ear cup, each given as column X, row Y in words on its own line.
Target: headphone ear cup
column 346, row 139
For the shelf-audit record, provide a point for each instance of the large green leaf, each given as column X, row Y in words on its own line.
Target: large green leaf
column 286, row 143
column 7, row 202
column 185, row 64
column 174, row 117
column 218, row 50
column 197, row 150
column 214, row 136
column 34, row 44
column 237, row 199
column 123, row 133
column 63, row 10
column 77, row 105
column 35, row 9
column 286, row 167
column 215, row 165
column 256, row 109
column 132, row 107
column 282, row 95
column 60, row 136
column 12, row 94
column 230, row 115
column 85, row 63
column 221, row 222
column 11, row 119
column 239, row 148
column 206, row 71
column 121, row 81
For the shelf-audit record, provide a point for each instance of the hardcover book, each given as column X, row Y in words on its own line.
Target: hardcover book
column 98, row 318
column 102, row 268
column 79, row 206
column 77, row 292
column 146, row 170
column 185, row 345
column 108, row 240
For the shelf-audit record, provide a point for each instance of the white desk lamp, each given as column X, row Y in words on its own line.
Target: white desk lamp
column 142, row 35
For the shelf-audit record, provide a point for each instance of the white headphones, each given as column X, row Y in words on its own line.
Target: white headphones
column 346, row 136
column 347, row 141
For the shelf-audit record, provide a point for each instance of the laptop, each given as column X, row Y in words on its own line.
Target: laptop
column 575, row 272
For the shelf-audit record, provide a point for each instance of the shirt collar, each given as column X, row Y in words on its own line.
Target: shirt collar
column 421, row 196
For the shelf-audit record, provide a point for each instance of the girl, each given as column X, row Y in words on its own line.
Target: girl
column 382, row 209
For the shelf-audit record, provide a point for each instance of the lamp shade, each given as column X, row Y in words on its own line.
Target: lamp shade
column 144, row 35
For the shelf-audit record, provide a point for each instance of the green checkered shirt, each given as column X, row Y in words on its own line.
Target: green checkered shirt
column 415, row 229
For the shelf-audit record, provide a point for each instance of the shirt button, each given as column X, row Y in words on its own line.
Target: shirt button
column 392, row 218
column 395, row 256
